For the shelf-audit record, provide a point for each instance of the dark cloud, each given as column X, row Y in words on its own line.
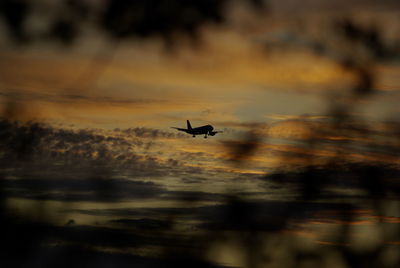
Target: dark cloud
column 323, row 181
column 81, row 189
column 74, row 98
column 234, row 214
column 126, row 146
column 32, row 244
column 86, row 164
column 192, row 180
column 194, row 196
column 97, row 183
column 146, row 224
column 143, row 132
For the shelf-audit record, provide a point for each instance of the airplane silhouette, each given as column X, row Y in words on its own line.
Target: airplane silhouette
column 203, row 130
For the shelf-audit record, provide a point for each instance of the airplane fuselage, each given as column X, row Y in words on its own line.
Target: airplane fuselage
column 204, row 130
column 200, row 130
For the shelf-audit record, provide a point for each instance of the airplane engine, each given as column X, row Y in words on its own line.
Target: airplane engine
column 212, row 133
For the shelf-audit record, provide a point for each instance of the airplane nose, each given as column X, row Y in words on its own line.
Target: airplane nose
column 211, row 127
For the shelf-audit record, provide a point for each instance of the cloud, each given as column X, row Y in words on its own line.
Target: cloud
column 102, row 165
column 291, row 129
column 143, row 132
column 281, row 117
column 235, row 215
column 144, row 224
column 96, row 246
column 83, row 143
column 134, row 152
column 20, row 95
column 94, row 188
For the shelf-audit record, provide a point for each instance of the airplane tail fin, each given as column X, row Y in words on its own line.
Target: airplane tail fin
column 188, row 124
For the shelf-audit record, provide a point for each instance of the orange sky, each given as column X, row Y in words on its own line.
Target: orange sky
column 279, row 85
column 269, row 75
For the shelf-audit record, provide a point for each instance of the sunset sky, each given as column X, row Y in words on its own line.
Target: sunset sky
column 106, row 108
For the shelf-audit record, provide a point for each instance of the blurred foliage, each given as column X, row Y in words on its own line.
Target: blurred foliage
column 250, row 225
column 117, row 19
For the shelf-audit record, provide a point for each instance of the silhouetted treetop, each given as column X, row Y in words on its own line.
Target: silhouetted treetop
column 118, row 19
